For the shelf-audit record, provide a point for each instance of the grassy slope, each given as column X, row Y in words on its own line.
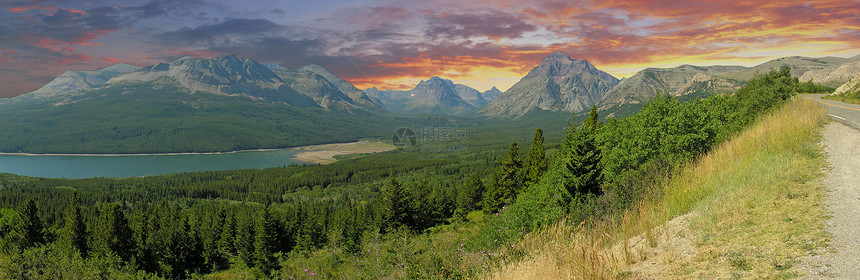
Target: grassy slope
column 755, row 210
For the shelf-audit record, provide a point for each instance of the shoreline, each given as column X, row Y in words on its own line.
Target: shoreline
column 311, row 154
column 146, row 154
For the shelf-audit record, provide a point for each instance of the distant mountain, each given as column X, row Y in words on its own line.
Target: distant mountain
column 491, row 94
column 799, row 65
column 434, row 96
column 678, row 81
column 72, row 82
column 384, row 97
column 350, row 90
column 559, row 83
column 470, row 95
column 834, row 75
column 227, row 75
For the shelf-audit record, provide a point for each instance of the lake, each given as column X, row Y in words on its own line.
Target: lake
column 65, row 166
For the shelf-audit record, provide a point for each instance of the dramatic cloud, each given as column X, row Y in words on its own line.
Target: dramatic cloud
column 395, row 44
column 492, row 24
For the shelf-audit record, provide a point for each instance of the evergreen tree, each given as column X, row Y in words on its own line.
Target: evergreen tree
column 469, row 196
column 31, row 225
column 73, row 237
column 507, row 182
column 422, row 216
column 10, row 230
column 228, row 235
column 244, row 242
column 581, row 162
column 112, row 234
column 396, row 206
column 266, row 242
column 537, row 163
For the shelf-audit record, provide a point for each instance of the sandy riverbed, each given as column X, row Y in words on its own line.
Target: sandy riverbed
column 324, row 154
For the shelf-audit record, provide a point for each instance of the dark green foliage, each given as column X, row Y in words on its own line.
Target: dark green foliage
column 507, row 182
column 469, row 196
column 31, row 226
column 112, row 234
column 536, row 163
column 265, row 242
column 581, row 158
column 10, row 230
column 73, row 236
column 396, row 207
column 244, row 241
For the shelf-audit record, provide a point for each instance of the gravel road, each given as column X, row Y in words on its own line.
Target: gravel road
column 842, row 144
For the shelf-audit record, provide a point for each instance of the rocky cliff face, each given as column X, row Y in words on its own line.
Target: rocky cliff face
column 74, row 82
column 678, row 81
column 834, row 75
column 852, row 87
column 357, row 96
column 559, row 83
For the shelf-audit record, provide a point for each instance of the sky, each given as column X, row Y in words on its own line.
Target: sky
column 396, row 44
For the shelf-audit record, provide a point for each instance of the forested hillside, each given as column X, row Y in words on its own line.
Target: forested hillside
column 397, row 214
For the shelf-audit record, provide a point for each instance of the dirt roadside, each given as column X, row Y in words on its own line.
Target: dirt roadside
column 842, row 260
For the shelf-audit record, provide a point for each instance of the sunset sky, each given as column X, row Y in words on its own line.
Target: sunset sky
column 395, row 44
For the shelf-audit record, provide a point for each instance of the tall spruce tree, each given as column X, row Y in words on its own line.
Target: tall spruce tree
column 507, row 183
column 31, row 226
column 266, row 242
column 583, row 174
column 397, row 206
column 536, row 165
column 112, row 234
column 73, row 237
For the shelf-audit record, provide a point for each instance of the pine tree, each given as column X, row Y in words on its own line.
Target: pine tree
column 73, row 237
column 31, row 226
column 112, row 235
column 266, row 241
column 244, row 242
column 469, row 196
column 537, row 164
column 507, row 182
column 396, row 206
column 583, row 174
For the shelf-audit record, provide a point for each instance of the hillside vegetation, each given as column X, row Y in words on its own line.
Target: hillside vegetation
column 400, row 214
column 747, row 209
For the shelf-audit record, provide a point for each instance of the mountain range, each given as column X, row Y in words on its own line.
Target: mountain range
column 242, row 104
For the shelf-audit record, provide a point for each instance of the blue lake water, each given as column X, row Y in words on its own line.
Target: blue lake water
column 61, row 166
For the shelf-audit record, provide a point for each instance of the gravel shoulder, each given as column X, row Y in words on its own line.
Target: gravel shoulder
column 842, row 260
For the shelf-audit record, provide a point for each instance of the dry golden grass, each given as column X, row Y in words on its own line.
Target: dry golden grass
column 748, row 209
column 843, row 98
